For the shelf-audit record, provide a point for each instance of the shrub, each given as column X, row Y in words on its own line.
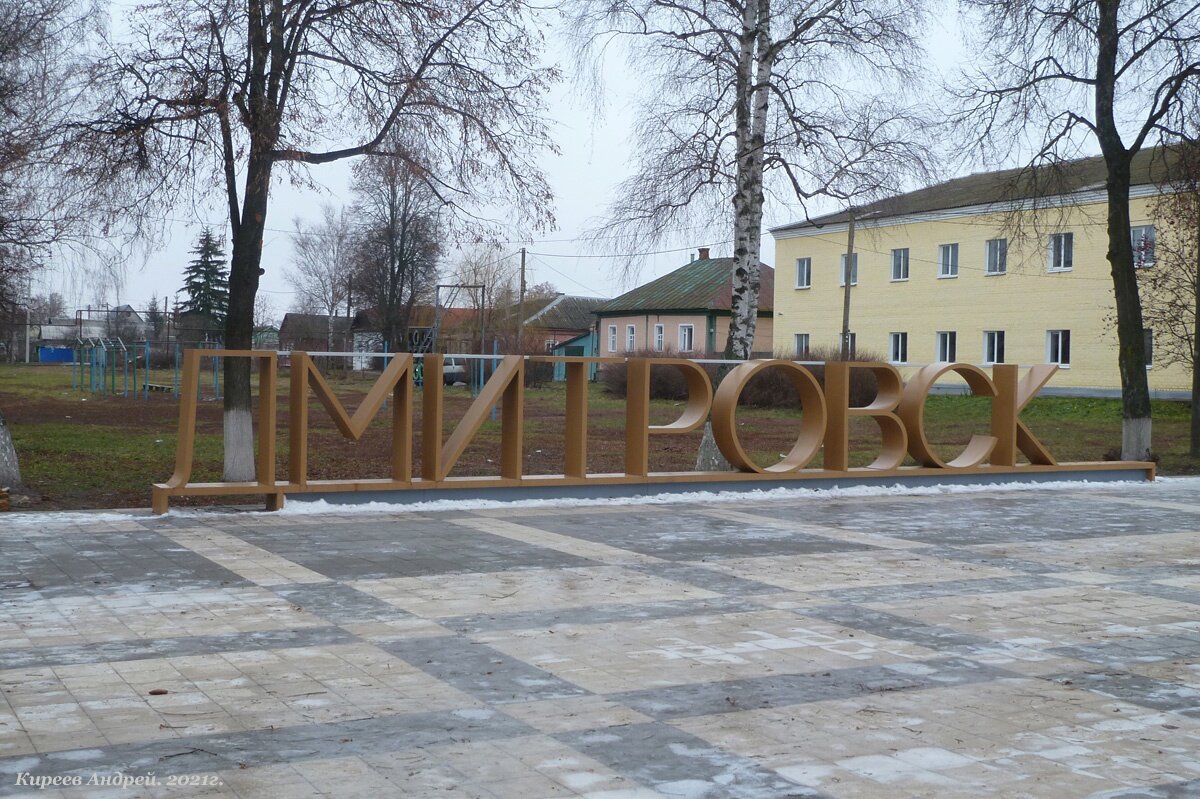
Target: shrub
column 666, row 382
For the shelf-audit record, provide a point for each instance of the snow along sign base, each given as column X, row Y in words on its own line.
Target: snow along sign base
column 898, row 410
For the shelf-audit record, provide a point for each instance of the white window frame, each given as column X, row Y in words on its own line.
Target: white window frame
column 898, row 347
column 1148, row 346
column 1061, row 252
column 612, row 338
column 1058, row 347
column 992, row 338
column 948, row 261
column 947, row 346
column 900, row 263
column 803, row 342
column 659, row 338
column 690, row 344
column 1144, row 247
column 630, row 338
column 853, row 271
column 995, row 257
column 804, row 273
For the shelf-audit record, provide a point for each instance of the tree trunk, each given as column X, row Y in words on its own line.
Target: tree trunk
column 10, row 471
column 239, row 324
column 1194, row 447
column 1135, row 389
column 747, row 196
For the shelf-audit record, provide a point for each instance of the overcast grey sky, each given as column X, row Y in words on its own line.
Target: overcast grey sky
column 594, row 159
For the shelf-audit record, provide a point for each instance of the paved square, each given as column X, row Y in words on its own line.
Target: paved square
column 1029, row 643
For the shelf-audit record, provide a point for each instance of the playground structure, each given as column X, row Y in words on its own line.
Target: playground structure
column 138, row 368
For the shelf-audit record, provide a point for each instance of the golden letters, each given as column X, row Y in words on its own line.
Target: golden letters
column 898, row 409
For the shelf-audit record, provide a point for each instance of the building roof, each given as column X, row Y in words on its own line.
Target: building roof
column 1149, row 166
column 566, row 312
column 309, row 325
column 422, row 316
column 703, row 285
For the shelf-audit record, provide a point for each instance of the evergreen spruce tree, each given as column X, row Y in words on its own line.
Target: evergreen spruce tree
column 206, row 279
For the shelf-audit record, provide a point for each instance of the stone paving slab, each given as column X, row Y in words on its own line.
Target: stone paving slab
column 1017, row 644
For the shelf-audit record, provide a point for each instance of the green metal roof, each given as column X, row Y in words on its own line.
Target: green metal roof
column 703, row 285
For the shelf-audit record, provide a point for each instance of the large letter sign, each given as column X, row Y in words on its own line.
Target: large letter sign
column 825, row 414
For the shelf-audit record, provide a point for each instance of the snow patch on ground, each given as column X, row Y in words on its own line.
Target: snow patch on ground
column 300, row 507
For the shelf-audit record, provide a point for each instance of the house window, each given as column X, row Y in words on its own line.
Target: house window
column 1143, row 238
column 551, row 344
column 993, row 346
column 1148, row 345
column 612, row 338
column 900, row 264
column 630, row 338
column 686, row 338
column 803, row 273
column 1062, row 247
column 853, row 271
column 658, row 338
column 997, row 257
column 898, row 347
column 947, row 346
column 1058, row 347
column 802, row 340
column 948, row 260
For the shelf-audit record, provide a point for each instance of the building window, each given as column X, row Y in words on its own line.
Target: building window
column 551, row 344
column 630, row 338
column 948, row 260
column 898, row 347
column 658, row 338
column 803, row 273
column 1058, row 347
column 802, row 340
column 686, row 338
column 900, row 264
column 997, row 257
column 612, row 338
column 853, row 271
column 993, row 346
column 1062, row 255
column 1148, row 345
column 1143, row 239
column 947, row 346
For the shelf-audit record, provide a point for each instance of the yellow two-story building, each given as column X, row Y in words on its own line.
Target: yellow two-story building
column 1000, row 267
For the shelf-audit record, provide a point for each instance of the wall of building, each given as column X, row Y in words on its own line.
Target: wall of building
column 1026, row 302
column 707, row 329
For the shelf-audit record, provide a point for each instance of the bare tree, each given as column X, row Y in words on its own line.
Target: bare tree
column 751, row 97
column 1169, row 273
column 397, row 243
column 499, row 275
column 1054, row 77
column 324, row 264
column 217, row 95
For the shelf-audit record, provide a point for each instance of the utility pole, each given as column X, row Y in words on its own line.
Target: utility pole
column 847, row 275
column 521, row 309
column 28, row 325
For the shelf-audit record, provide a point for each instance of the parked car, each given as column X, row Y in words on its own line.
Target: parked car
column 454, row 370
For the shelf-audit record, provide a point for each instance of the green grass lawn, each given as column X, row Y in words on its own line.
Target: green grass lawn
column 79, row 450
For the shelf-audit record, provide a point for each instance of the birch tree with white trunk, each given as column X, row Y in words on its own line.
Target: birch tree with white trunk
column 748, row 99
